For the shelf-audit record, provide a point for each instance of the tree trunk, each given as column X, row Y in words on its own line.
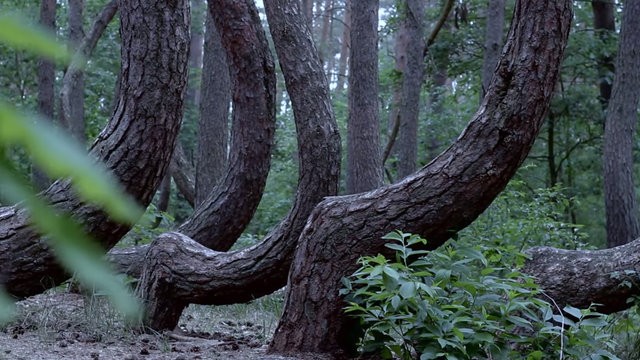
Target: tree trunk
column 440, row 199
column 606, row 277
column 411, row 35
column 220, row 219
column 364, row 160
column 179, row 271
column 75, row 122
column 604, row 22
column 214, row 114
column 492, row 41
column 183, row 174
column 327, row 24
column 621, row 205
column 345, row 46
column 46, row 82
column 136, row 144
column 72, row 109
column 198, row 15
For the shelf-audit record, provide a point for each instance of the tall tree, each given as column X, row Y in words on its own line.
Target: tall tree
column 364, row 160
column 621, row 205
column 411, row 64
column 604, row 22
column 345, row 46
column 72, row 108
column 214, row 113
column 492, row 41
column 46, row 82
column 75, row 122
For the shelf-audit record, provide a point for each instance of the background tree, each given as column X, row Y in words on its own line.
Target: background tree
column 604, row 23
column 411, row 64
column 364, row 162
column 619, row 134
column 46, row 82
column 75, row 121
column 214, row 114
column 492, row 41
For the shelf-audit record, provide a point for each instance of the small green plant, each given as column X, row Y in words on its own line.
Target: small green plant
column 463, row 302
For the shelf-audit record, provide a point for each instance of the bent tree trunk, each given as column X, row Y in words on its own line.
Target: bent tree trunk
column 136, row 144
column 227, row 210
column 440, row 199
column 177, row 270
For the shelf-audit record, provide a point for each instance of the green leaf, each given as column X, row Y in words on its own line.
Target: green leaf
column 59, row 156
column 7, row 308
column 21, row 34
column 575, row 312
column 408, row 290
column 75, row 251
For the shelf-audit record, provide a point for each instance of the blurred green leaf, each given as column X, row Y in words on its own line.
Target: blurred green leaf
column 7, row 308
column 76, row 252
column 59, row 156
column 20, row 33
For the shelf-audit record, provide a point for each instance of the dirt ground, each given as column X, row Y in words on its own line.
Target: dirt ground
column 61, row 325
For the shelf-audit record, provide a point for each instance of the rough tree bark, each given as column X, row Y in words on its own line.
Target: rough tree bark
column 46, row 82
column 136, row 144
column 214, row 114
column 411, row 35
column 179, row 271
column 606, row 277
column 438, row 200
column 621, row 205
column 492, row 41
column 364, row 157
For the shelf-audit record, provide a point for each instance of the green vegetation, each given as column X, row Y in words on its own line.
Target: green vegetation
column 468, row 299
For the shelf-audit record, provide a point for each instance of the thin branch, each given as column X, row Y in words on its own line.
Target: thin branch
column 436, row 29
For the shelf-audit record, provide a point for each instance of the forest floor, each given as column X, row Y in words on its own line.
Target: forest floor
column 62, row 325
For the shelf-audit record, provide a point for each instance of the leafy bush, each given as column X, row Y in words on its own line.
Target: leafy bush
column 463, row 302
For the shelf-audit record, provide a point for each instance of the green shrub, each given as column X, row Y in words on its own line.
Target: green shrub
column 463, row 302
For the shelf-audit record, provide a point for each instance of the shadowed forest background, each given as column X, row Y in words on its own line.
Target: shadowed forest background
column 223, row 143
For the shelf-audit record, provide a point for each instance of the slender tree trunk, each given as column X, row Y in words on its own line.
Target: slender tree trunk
column 307, row 10
column 327, row 23
column 177, row 270
column 72, row 109
column 214, row 114
column 604, row 22
column 75, row 122
column 183, row 174
column 492, row 41
column 345, row 46
column 621, row 205
column 136, row 144
column 443, row 197
column 46, row 82
column 364, row 160
column 198, row 15
column 412, row 66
